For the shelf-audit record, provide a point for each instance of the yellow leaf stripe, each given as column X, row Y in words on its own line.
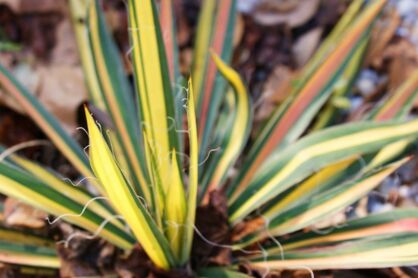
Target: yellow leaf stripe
column 124, row 199
column 380, row 254
column 24, row 238
column 68, row 190
column 175, row 212
column 193, row 177
column 46, row 122
column 30, row 259
column 318, row 208
column 149, row 75
column 23, row 248
column 277, row 130
column 336, row 203
column 308, row 186
column 240, row 129
column 12, row 188
column 112, row 102
column 319, row 149
column 394, row 227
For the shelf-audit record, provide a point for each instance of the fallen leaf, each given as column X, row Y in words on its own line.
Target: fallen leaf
column 65, row 51
column 293, row 13
column 402, row 58
column 382, row 34
column 306, row 45
column 19, row 214
column 62, row 91
column 275, row 90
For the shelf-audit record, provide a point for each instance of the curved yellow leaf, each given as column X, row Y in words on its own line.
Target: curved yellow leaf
column 123, row 198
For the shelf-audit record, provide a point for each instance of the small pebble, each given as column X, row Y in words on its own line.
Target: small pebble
column 246, row 6
column 367, row 82
column 356, row 102
column 407, row 7
column 404, row 191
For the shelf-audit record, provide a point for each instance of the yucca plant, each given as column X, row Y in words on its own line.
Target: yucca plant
column 151, row 170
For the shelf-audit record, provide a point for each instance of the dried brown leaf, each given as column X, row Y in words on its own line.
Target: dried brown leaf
column 290, row 12
column 19, row 214
column 306, row 45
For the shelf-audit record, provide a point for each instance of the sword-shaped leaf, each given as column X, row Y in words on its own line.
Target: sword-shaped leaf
column 389, row 223
column 320, row 207
column 235, row 137
column 390, row 251
column 193, row 178
column 118, row 98
column 398, row 105
column 291, row 119
column 314, row 152
column 23, row 248
column 219, row 20
column 74, row 192
column 47, row 122
column 125, row 201
column 156, row 99
column 27, row 188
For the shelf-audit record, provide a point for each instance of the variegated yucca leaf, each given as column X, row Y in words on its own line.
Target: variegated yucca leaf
column 322, row 206
column 391, row 223
column 202, row 46
column 332, row 40
column 389, row 251
column 23, row 248
column 74, row 192
column 46, row 121
column 79, row 14
column 33, row 191
column 285, row 184
column 338, row 101
column 314, row 152
column 156, row 100
column 294, row 115
column 370, row 232
column 175, row 212
column 193, row 178
column 117, row 97
column 235, row 135
column 399, row 105
column 215, row 32
column 125, row 200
